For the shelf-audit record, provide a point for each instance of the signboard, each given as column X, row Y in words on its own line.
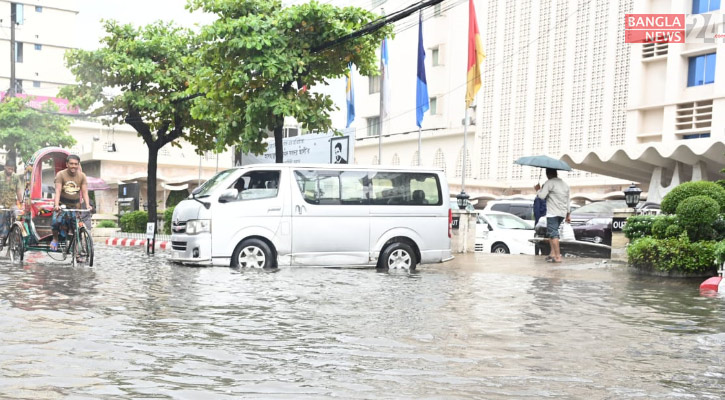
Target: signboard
column 312, row 148
column 618, row 223
column 455, row 221
column 150, row 228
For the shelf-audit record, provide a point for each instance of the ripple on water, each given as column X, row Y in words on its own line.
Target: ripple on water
column 137, row 326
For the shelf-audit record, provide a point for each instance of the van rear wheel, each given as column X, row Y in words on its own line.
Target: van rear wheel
column 398, row 256
column 252, row 253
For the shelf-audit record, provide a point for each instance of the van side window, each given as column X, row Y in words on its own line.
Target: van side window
column 405, row 188
column 257, row 185
column 500, row 207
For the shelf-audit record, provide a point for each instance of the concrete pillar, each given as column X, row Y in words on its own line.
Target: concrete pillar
column 619, row 241
column 464, row 238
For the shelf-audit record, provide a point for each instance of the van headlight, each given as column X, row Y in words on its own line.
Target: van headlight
column 196, row 226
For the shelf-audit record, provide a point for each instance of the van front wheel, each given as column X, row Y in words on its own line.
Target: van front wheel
column 252, row 253
column 398, row 255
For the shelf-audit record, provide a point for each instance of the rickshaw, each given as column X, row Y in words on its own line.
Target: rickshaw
column 32, row 229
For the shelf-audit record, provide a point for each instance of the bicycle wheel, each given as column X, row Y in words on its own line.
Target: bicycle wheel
column 16, row 249
column 83, row 248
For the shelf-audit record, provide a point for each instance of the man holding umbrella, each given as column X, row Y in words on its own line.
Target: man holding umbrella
column 556, row 193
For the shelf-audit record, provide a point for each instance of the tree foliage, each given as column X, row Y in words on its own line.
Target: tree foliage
column 25, row 130
column 689, row 189
column 139, row 76
column 257, row 59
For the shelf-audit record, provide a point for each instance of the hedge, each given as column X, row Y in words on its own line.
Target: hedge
column 106, row 224
column 672, row 255
column 134, row 222
column 168, row 213
column 690, row 189
column 697, row 214
column 639, row 226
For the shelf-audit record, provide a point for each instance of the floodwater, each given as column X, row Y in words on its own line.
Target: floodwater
column 483, row 326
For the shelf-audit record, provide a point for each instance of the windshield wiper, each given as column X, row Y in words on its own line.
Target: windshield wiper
column 193, row 196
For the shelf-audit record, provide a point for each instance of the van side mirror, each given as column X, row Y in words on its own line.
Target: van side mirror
column 196, row 190
column 228, row 195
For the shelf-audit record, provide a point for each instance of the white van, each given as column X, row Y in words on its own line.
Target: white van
column 273, row 215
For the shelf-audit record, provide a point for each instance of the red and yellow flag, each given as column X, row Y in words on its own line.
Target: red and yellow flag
column 475, row 56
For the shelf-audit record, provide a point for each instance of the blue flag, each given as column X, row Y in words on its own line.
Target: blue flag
column 422, row 103
column 350, row 96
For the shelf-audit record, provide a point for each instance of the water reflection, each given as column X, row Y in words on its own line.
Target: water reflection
column 135, row 326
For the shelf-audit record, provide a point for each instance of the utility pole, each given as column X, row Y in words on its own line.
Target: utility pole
column 13, row 17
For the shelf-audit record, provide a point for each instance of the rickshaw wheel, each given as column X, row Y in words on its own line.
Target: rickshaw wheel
column 15, row 245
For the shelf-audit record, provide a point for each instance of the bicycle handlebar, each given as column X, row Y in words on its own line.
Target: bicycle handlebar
column 74, row 209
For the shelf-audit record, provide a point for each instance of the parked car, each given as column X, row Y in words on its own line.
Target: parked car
column 593, row 222
column 523, row 209
column 503, row 233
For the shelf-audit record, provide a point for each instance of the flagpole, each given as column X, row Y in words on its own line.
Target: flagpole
column 382, row 100
column 463, row 167
column 420, row 19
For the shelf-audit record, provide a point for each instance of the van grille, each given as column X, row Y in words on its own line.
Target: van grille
column 178, row 245
column 178, row 226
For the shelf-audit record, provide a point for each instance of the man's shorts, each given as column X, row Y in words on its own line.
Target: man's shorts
column 552, row 227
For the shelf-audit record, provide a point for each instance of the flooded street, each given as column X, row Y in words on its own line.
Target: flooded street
column 483, row 326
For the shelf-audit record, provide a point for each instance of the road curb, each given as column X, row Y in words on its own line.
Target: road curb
column 125, row 242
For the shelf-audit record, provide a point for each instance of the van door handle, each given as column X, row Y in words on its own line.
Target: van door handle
column 297, row 210
column 274, row 209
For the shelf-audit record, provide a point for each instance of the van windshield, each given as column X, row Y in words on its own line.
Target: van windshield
column 210, row 185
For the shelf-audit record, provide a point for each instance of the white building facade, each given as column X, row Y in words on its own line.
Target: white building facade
column 556, row 80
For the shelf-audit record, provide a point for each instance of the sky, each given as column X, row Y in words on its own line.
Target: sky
column 137, row 12
column 141, row 12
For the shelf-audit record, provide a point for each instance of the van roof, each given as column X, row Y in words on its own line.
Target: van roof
column 352, row 167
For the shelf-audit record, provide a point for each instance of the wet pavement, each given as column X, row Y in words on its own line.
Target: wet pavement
column 481, row 326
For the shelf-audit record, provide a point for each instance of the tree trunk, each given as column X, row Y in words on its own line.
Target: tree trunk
column 278, row 148
column 151, row 182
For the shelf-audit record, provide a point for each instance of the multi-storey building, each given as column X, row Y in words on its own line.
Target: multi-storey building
column 558, row 79
column 675, row 107
column 115, row 154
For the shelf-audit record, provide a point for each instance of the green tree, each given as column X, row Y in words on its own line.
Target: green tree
column 139, row 76
column 25, row 130
column 258, row 58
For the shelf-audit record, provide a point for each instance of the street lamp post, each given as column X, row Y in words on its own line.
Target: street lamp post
column 631, row 196
column 462, row 198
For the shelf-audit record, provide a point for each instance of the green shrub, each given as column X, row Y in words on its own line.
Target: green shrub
column 106, row 224
column 672, row 254
column 673, row 231
column 720, row 252
column 168, row 213
column 638, row 226
column 134, row 222
column 660, row 225
column 689, row 189
column 696, row 215
column 719, row 228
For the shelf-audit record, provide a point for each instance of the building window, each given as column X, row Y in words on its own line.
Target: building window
column 18, row 12
column 434, row 54
column 374, row 84
column 36, row 83
column 38, row 8
column 701, row 70
column 694, row 117
column 433, row 103
column 703, row 6
column 38, row 46
column 697, row 135
column 373, row 126
column 18, row 52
